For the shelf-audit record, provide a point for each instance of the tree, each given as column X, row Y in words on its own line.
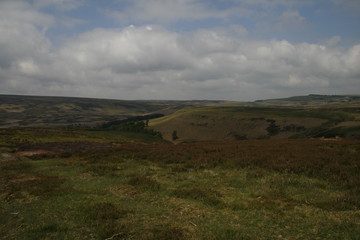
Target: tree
column 174, row 135
column 272, row 129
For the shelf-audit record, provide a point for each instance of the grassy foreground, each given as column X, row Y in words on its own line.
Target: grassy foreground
column 97, row 185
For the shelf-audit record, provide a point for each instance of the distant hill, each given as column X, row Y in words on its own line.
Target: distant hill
column 38, row 111
column 312, row 100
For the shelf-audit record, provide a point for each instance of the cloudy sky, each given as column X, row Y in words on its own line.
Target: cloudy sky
column 179, row 49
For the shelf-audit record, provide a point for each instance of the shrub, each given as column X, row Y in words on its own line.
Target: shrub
column 206, row 196
column 145, row 182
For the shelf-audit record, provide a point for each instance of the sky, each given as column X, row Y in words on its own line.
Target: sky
column 240, row 50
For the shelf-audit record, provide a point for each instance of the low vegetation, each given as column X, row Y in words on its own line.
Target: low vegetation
column 89, row 186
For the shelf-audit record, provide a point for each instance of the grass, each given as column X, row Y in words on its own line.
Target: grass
column 278, row 189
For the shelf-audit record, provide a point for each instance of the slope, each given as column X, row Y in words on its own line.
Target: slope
column 225, row 123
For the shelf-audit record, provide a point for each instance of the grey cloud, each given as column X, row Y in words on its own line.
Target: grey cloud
column 22, row 33
column 21, row 12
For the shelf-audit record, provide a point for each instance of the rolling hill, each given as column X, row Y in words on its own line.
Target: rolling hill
column 295, row 117
column 309, row 101
column 240, row 123
column 39, row 111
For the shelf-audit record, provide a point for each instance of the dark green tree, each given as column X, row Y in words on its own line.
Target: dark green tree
column 174, row 135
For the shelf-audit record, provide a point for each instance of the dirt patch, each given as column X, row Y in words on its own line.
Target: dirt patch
column 33, row 153
column 336, row 139
column 58, row 147
column 349, row 124
column 7, row 157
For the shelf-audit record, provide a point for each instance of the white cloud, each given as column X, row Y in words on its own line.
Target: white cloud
column 28, row 67
column 129, row 50
column 333, row 41
column 291, row 19
column 144, row 60
column 150, row 62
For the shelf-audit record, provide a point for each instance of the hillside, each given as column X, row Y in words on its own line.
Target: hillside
column 309, row 101
column 38, row 111
column 240, row 123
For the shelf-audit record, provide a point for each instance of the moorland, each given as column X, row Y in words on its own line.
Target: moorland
column 73, row 168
